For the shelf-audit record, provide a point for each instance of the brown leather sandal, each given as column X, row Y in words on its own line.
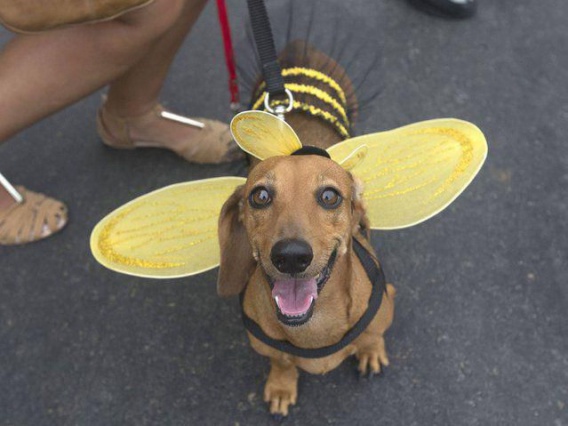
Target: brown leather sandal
column 213, row 145
column 35, row 217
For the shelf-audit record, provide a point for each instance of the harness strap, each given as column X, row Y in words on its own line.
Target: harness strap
column 265, row 46
column 376, row 276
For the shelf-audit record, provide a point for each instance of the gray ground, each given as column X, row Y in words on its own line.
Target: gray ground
column 480, row 335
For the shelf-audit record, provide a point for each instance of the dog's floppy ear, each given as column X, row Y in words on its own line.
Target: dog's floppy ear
column 237, row 262
column 360, row 221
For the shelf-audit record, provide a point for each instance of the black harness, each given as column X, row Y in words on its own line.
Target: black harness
column 377, row 278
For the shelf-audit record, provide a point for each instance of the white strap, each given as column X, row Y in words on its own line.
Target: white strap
column 11, row 190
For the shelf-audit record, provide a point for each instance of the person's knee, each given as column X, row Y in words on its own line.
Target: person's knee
column 154, row 20
column 137, row 30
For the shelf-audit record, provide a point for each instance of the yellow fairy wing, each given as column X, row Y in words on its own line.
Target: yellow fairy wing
column 412, row 173
column 263, row 135
column 168, row 233
column 346, row 158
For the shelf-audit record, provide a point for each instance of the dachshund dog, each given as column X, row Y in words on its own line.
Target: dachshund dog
column 294, row 236
column 286, row 240
column 287, row 236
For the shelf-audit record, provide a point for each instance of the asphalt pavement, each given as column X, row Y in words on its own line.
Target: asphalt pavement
column 480, row 335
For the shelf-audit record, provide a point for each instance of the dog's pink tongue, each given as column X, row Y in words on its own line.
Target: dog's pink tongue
column 295, row 296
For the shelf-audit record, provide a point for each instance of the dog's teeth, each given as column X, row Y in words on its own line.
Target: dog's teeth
column 276, row 300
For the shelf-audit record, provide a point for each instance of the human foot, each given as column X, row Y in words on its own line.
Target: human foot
column 157, row 128
column 35, row 218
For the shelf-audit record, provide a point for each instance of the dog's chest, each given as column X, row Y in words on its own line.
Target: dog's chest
column 324, row 365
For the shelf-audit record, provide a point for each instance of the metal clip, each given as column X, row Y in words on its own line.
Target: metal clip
column 279, row 110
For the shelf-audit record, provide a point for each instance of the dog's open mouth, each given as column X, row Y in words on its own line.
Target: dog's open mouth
column 295, row 297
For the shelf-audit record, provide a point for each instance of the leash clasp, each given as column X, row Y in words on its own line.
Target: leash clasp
column 280, row 109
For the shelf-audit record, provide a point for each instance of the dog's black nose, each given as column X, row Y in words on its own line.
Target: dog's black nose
column 291, row 256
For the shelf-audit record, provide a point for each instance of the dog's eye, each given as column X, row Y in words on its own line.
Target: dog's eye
column 260, row 198
column 329, row 198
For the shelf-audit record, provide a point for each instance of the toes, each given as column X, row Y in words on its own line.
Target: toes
column 54, row 222
column 370, row 365
column 284, row 404
column 375, row 366
column 274, row 406
column 279, row 406
column 363, row 362
column 384, row 359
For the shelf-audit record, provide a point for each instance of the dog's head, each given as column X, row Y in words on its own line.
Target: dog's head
column 293, row 218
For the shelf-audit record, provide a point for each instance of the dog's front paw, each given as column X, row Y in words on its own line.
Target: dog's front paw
column 281, row 389
column 279, row 400
column 371, row 360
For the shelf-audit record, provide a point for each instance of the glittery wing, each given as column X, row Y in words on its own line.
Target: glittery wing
column 412, row 173
column 348, row 158
column 168, row 233
column 263, row 135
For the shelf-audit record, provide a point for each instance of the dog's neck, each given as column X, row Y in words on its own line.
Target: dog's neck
column 341, row 303
column 312, row 131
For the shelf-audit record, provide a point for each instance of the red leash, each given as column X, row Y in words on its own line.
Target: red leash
column 229, row 54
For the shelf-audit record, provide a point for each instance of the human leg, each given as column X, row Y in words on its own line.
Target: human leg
column 132, row 117
column 41, row 74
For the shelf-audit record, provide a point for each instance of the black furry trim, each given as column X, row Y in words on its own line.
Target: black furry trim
column 312, row 150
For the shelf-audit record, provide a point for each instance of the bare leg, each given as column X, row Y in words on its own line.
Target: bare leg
column 137, row 91
column 129, row 117
column 41, row 74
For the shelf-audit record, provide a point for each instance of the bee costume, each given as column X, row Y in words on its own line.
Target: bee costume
column 409, row 174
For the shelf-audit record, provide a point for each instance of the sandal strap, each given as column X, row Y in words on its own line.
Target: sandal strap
column 120, row 137
column 215, row 141
column 25, row 222
column 213, row 144
column 181, row 119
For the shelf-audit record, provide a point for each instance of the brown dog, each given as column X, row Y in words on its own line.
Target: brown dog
column 286, row 239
